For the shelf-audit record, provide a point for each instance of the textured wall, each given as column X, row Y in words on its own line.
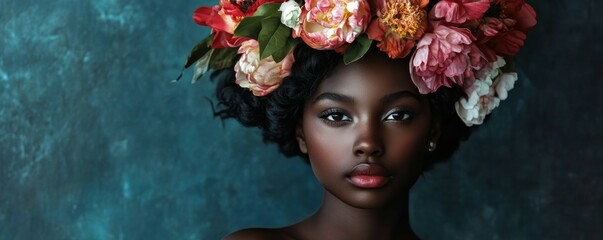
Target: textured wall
column 96, row 143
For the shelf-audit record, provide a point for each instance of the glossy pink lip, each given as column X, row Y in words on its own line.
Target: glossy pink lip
column 369, row 176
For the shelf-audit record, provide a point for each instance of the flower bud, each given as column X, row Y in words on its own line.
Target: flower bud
column 290, row 14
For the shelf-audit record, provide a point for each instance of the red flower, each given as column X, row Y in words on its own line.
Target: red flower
column 504, row 34
column 224, row 18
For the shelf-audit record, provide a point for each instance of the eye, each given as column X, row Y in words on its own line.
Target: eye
column 399, row 116
column 335, row 116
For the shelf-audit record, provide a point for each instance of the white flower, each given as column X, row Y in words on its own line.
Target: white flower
column 504, row 83
column 480, row 101
column 290, row 16
column 492, row 70
column 485, row 94
column 261, row 76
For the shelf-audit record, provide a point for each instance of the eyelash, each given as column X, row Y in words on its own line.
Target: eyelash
column 407, row 115
column 342, row 117
column 329, row 113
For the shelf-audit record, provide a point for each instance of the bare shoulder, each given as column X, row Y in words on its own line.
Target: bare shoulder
column 259, row 234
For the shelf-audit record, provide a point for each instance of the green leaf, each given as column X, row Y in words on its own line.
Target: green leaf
column 273, row 36
column 358, row 48
column 268, row 9
column 281, row 53
column 199, row 51
column 202, row 66
column 249, row 27
column 223, row 58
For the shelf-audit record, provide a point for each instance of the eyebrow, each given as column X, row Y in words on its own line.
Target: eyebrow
column 385, row 100
column 335, row 97
column 401, row 94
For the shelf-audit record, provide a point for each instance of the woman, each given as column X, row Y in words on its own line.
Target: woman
column 345, row 98
column 366, row 131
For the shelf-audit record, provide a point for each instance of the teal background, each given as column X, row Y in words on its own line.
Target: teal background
column 97, row 143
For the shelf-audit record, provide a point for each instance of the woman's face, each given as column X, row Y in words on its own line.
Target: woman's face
column 366, row 130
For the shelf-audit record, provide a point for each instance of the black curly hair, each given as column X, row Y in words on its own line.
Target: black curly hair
column 279, row 113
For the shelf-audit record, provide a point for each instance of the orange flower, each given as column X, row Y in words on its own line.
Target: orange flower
column 399, row 24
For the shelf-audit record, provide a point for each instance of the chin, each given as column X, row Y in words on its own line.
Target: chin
column 373, row 198
column 369, row 201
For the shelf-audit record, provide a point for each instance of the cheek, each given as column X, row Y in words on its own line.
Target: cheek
column 406, row 150
column 328, row 149
column 405, row 144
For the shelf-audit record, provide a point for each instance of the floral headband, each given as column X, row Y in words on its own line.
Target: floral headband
column 456, row 42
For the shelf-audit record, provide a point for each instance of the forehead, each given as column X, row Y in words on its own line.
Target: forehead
column 374, row 74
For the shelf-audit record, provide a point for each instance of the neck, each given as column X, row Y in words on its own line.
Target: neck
column 338, row 220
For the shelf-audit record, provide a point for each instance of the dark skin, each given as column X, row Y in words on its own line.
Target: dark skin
column 368, row 112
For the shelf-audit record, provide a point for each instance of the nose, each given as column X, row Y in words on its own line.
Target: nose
column 368, row 142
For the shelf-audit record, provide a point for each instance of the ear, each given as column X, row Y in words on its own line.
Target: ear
column 301, row 139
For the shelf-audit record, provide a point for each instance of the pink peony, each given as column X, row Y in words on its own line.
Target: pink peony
column 445, row 57
column 329, row 24
column 261, row 76
column 459, row 11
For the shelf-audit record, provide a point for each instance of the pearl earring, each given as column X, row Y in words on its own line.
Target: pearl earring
column 432, row 146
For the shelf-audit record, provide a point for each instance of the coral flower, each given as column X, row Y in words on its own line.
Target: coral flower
column 330, row 24
column 398, row 25
column 224, row 18
column 505, row 31
column 261, row 76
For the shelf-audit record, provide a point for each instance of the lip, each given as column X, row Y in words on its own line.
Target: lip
column 367, row 175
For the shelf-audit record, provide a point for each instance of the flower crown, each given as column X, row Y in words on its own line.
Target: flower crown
column 456, row 42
